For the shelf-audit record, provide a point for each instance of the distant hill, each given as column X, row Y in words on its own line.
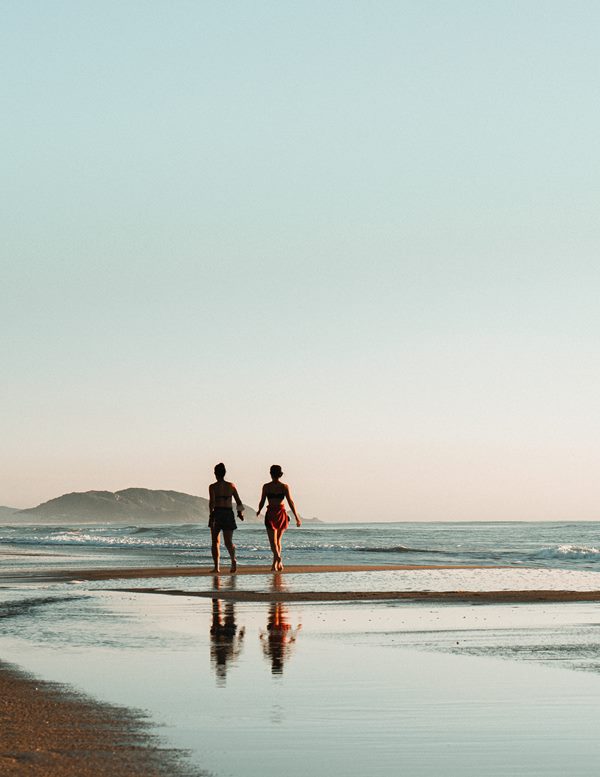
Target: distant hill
column 6, row 511
column 132, row 505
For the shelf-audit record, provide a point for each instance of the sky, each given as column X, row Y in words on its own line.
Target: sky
column 360, row 240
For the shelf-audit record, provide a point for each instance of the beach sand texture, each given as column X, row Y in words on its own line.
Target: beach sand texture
column 51, row 731
column 462, row 597
column 108, row 573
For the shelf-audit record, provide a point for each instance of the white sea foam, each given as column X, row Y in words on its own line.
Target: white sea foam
column 568, row 551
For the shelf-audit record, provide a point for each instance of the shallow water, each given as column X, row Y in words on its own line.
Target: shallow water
column 254, row 689
column 445, row 579
column 338, row 688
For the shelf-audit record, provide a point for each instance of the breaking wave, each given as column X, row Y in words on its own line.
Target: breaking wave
column 568, row 546
column 393, row 549
column 568, row 551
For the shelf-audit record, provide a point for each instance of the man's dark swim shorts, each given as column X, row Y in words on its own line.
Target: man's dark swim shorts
column 222, row 519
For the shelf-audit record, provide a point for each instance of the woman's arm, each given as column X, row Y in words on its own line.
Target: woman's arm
column 211, row 498
column 263, row 497
column 290, row 501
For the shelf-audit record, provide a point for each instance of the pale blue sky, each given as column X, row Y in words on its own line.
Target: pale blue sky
column 358, row 239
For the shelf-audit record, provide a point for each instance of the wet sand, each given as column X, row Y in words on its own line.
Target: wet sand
column 125, row 573
column 399, row 681
column 48, row 729
column 459, row 597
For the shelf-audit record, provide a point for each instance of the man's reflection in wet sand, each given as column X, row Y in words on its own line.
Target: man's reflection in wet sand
column 279, row 637
column 225, row 637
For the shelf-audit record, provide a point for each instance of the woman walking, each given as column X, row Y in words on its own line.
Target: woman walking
column 276, row 518
column 221, row 516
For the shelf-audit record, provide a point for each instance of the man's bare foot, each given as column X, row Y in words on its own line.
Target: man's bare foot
column 233, row 567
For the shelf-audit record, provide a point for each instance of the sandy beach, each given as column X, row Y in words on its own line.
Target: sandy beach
column 48, row 729
column 235, row 594
column 45, row 575
column 463, row 597
column 305, row 683
column 141, row 667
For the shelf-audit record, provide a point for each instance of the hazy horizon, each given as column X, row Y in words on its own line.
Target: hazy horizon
column 310, row 517
column 356, row 240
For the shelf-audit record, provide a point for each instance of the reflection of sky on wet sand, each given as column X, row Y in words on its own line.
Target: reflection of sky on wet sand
column 356, row 683
column 492, row 579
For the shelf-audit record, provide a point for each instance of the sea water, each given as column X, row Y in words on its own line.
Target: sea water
column 568, row 545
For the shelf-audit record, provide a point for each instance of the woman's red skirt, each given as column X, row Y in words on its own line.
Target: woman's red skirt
column 276, row 517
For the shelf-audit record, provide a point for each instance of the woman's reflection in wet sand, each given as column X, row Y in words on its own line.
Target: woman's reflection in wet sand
column 279, row 637
column 225, row 637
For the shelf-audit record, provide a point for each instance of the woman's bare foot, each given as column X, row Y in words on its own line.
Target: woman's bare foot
column 233, row 567
column 215, row 571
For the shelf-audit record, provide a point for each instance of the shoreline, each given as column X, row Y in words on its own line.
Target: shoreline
column 48, row 728
column 458, row 595
column 439, row 597
column 204, row 662
column 125, row 573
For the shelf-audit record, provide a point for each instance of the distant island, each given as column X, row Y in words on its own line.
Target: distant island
column 5, row 512
column 131, row 505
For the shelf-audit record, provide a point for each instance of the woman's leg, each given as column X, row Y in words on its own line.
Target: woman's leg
column 272, row 543
column 215, row 549
column 278, row 536
column 228, row 539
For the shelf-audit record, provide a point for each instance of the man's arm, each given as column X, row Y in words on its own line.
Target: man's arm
column 238, row 501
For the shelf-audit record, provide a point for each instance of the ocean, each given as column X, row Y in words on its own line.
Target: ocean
column 569, row 545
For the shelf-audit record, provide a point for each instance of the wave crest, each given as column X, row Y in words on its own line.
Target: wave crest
column 393, row 549
column 568, row 551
